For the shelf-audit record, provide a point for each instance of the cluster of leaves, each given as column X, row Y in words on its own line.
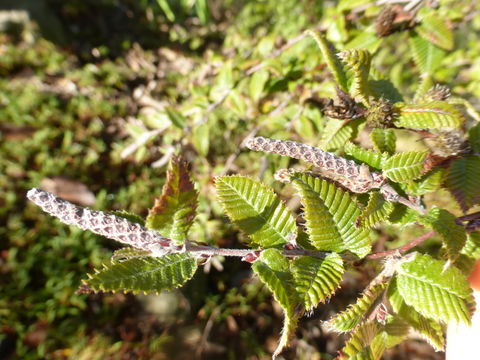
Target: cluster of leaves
column 417, row 292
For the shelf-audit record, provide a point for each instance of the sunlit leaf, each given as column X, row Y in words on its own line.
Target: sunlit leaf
column 406, row 166
column 146, row 274
column 436, row 114
column 435, row 291
column 383, row 140
column 330, row 215
column 174, row 211
column 317, row 278
column 256, row 210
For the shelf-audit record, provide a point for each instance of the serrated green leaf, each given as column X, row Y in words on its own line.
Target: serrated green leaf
column 369, row 157
column 174, row 211
column 444, row 223
column 331, row 59
column 433, row 29
column 401, row 215
column 257, row 83
column 350, row 318
column 426, row 184
column 392, row 333
column 336, row 133
column 129, row 216
column 433, row 115
column 330, row 214
column 144, row 274
column 383, row 140
column 435, row 291
column 358, row 62
column 404, row 167
column 462, row 181
column 378, row 209
column 474, row 138
column 469, row 254
column 273, row 270
column 427, row 56
column 358, row 346
column 429, row 329
column 256, row 210
column 316, row 278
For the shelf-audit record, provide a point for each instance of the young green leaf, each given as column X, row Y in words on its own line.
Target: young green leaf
column 350, row 318
column 337, row 133
column 378, row 209
column 435, row 291
column 426, row 184
column 144, row 274
column 256, row 210
column 429, row 329
column 201, row 139
column 330, row 214
column 433, row 29
column 462, row 181
column 273, row 270
column 469, row 254
column 174, row 211
column 436, row 114
column 331, row 59
column 358, row 346
column 443, row 223
column 369, row 157
column 316, row 278
column 404, row 167
column 392, row 333
column 427, row 56
column 358, row 62
column 383, row 140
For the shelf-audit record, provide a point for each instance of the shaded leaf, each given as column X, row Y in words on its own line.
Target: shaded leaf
column 174, row 211
column 474, row 138
column 462, row 181
column 256, row 210
column 144, row 274
column 317, row 278
column 443, row 223
column 434, row 291
column 406, row 166
column 128, row 253
column 330, row 214
column 392, row 333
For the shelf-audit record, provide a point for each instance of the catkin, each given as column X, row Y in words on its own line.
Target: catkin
column 101, row 223
column 356, row 178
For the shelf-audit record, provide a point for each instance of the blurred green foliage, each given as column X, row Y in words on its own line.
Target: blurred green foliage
column 203, row 74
